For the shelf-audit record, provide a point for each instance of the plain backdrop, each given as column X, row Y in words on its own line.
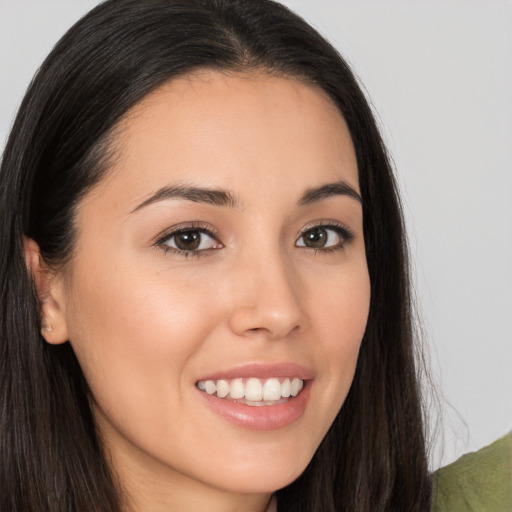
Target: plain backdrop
column 439, row 75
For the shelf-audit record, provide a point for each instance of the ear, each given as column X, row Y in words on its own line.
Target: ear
column 50, row 291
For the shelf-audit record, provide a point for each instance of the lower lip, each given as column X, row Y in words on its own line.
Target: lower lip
column 268, row 417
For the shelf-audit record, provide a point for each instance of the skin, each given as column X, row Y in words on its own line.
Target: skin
column 147, row 323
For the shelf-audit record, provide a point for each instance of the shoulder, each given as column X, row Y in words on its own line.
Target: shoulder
column 479, row 481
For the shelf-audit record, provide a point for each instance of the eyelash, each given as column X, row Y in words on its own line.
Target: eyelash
column 193, row 227
column 345, row 234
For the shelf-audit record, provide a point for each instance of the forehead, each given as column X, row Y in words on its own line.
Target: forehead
column 231, row 131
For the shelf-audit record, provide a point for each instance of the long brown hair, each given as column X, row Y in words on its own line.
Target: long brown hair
column 373, row 458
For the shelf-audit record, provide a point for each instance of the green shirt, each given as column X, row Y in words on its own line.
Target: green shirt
column 477, row 482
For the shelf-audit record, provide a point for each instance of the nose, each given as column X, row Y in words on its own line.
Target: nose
column 267, row 298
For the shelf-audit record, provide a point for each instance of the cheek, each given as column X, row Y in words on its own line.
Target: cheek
column 342, row 309
column 134, row 330
column 339, row 304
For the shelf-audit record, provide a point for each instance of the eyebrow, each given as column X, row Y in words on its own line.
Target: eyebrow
column 339, row 188
column 220, row 197
column 191, row 193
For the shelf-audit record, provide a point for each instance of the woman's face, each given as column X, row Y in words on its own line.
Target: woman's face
column 223, row 253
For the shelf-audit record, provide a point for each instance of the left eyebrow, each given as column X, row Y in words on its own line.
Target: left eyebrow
column 339, row 188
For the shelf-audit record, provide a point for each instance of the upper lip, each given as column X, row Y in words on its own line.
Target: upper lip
column 262, row 371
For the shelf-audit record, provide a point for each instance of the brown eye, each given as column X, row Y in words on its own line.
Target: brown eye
column 324, row 237
column 316, row 238
column 190, row 240
column 187, row 240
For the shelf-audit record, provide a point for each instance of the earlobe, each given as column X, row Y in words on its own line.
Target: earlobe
column 50, row 292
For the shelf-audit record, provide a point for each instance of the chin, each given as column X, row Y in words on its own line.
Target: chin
column 264, row 476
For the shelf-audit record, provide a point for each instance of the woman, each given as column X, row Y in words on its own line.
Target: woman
column 205, row 293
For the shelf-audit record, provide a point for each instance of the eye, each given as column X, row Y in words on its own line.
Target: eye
column 189, row 240
column 326, row 237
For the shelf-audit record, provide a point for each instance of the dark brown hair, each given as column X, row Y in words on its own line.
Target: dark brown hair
column 373, row 458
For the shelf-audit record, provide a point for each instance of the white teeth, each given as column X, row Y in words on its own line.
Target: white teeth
column 237, row 389
column 222, row 388
column 210, row 387
column 286, row 388
column 271, row 390
column 296, row 386
column 253, row 391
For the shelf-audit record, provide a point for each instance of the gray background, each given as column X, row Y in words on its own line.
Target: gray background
column 439, row 74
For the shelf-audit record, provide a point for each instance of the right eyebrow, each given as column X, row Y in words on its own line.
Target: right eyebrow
column 216, row 197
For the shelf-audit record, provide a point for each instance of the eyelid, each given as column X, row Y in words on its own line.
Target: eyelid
column 202, row 227
column 341, row 229
column 326, row 223
column 186, row 226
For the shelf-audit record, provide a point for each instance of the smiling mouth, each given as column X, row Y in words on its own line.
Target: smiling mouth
column 253, row 391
